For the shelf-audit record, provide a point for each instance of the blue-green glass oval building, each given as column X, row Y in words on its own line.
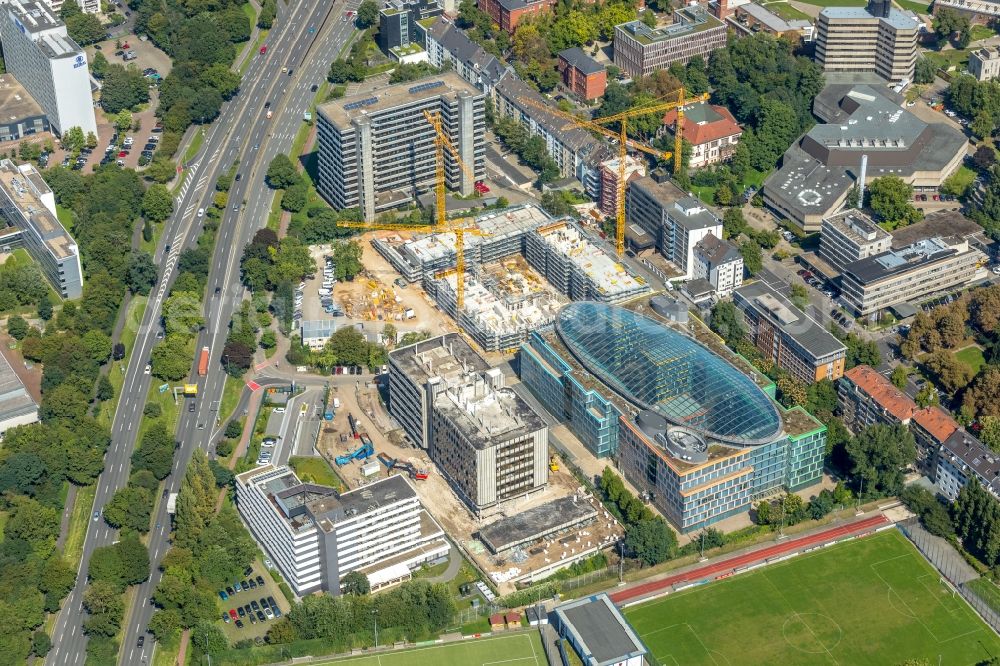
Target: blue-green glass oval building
column 661, row 370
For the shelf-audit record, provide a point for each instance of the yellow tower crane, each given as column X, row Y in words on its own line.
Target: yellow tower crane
column 442, row 143
column 625, row 143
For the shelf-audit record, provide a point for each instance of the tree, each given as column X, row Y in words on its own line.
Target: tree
column 170, row 360
column 821, row 400
column 208, row 638
column 948, row 22
column 753, row 259
column 799, row 295
column 73, row 140
column 40, row 644
column 367, row 14
column 45, row 307
column 105, row 390
column 762, row 513
column 268, row 11
column 347, row 259
column 733, row 223
column 889, row 198
column 99, row 65
column 142, row 273
column 17, row 327
column 727, row 323
column 85, row 29
column 234, row 429
column 123, row 120
column 984, row 157
column 155, row 452
column 281, row 172
column 105, row 608
column 925, row 71
column 651, row 541
column 355, row 583
column 791, row 391
column 879, row 455
column 123, row 89
column 195, row 501
column 900, row 375
column 157, row 204
column 950, row 373
column 989, row 432
column 130, row 507
column 182, row 313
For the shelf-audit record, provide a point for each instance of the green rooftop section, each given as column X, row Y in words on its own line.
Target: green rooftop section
column 687, row 21
column 407, row 50
column 798, row 422
column 427, row 22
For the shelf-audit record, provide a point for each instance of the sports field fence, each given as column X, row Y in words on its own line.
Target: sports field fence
column 950, row 565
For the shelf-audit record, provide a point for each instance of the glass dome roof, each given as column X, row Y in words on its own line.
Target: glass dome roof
column 662, row 370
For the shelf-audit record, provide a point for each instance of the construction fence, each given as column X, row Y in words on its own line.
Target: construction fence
column 950, row 564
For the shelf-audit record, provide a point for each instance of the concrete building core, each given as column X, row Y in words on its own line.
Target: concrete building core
column 490, row 444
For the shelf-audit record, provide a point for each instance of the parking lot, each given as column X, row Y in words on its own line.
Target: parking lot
column 255, row 608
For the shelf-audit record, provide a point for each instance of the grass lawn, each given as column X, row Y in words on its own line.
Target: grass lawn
column 962, row 179
column 3, row 521
column 958, row 58
column 79, row 518
column 231, row 392
column 315, row 470
column 918, row 7
column 519, row 649
column 971, row 356
column 166, row 651
column 988, row 591
column 250, row 13
column 869, row 601
column 195, row 146
column 982, row 32
column 787, row 12
column 753, row 178
column 65, row 216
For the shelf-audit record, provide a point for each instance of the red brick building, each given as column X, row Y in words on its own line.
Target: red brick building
column 585, row 77
column 507, row 13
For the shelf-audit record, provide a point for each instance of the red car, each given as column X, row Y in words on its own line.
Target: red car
column 232, row 613
column 481, row 187
column 263, row 49
column 123, row 153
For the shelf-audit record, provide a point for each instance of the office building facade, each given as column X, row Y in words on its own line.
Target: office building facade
column 641, row 50
column 876, row 38
column 789, row 337
column 376, row 152
column 28, row 205
column 48, row 63
column 676, row 221
column 316, row 536
column 850, row 236
column 909, row 274
column 698, row 437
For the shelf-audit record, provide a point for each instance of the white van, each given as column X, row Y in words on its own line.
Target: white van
column 325, row 292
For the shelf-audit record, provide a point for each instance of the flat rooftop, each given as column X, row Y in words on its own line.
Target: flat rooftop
column 896, row 18
column 447, row 356
column 14, row 398
column 687, row 21
column 793, row 322
column 487, row 416
column 596, row 263
column 449, row 84
column 901, row 260
column 45, row 28
column 604, row 635
column 772, row 20
column 16, row 103
column 24, row 186
column 330, row 510
column 857, row 226
column 496, row 225
column 945, row 224
column 535, row 523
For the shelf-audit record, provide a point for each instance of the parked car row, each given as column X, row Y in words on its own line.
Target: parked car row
column 841, row 318
column 261, row 610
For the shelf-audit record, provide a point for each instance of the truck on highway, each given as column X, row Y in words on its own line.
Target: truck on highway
column 203, row 362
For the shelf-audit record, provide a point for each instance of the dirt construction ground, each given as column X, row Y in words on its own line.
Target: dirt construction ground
column 435, row 493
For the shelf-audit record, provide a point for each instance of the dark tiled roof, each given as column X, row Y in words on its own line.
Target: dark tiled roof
column 581, row 61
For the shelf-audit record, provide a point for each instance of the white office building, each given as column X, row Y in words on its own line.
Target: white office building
column 28, row 207
column 720, row 263
column 49, row 64
column 316, row 535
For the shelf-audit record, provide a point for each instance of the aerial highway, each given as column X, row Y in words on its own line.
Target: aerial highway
column 306, row 38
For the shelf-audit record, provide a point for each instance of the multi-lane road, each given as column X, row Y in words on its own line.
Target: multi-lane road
column 307, row 37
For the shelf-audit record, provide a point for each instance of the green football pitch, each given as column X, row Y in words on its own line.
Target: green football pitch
column 868, row 601
column 520, row 649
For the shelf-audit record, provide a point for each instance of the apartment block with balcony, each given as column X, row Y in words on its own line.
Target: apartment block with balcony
column 316, row 535
column 787, row 336
column 641, row 50
column 875, row 38
column 377, row 150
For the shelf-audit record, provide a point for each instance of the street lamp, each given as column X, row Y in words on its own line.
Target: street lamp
column 375, row 617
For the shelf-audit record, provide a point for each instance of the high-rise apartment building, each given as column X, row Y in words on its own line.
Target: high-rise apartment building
column 377, row 150
column 52, row 67
column 641, row 50
column 316, row 535
column 28, row 205
column 850, row 236
column 490, row 444
column 875, row 38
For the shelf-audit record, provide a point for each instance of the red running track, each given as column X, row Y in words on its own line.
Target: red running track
column 712, row 571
